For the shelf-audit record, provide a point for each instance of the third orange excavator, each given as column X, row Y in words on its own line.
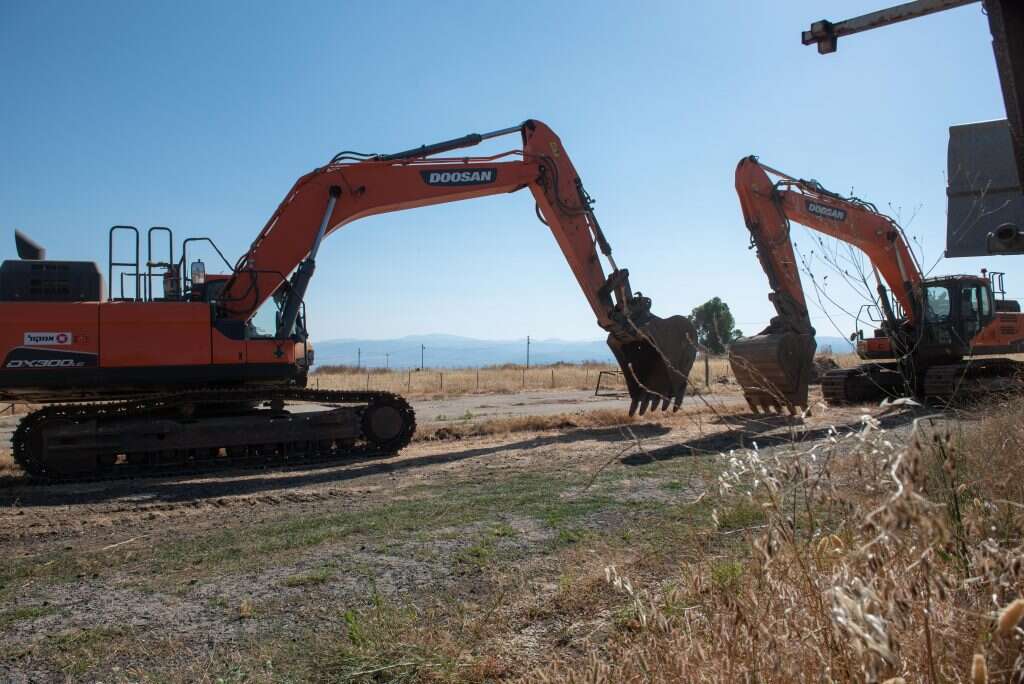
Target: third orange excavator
column 937, row 336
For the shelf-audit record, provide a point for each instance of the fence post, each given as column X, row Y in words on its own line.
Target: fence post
column 367, row 380
column 524, row 378
column 408, row 383
column 441, row 381
column 552, row 378
column 478, row 379
column 707, row 370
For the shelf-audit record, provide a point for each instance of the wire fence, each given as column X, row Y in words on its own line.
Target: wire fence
column 602, row 378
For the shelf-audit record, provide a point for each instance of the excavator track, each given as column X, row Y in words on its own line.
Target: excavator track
column 942, row 383
column 187, row 432
column 977, row 377
column 833, row 386
column 864, row 384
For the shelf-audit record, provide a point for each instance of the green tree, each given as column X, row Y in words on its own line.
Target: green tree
column 716, row 328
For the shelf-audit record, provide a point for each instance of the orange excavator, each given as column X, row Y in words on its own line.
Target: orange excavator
column 172, row 371
column 936, row 335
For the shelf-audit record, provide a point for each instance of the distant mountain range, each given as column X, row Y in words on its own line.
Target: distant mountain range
column 451, row 351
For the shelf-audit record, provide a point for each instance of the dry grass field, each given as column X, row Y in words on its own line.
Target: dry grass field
column 442, row 382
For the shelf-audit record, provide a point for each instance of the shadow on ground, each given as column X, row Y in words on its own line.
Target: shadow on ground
column 207, row 485
column 756, row 429
column 16, row 491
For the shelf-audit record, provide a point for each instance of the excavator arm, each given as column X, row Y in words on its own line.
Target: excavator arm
column 655, row 354
column 775, row 366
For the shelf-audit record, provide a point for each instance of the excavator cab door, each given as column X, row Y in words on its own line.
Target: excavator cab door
column 976, row 308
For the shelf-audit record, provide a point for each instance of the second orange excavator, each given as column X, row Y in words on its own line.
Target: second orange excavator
column 936, row 336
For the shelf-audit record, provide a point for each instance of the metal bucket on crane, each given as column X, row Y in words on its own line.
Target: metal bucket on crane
column 774, row 369
column 656, row 359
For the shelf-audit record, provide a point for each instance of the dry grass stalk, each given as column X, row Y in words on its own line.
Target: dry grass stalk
column 1009, row 618
column 979, row 670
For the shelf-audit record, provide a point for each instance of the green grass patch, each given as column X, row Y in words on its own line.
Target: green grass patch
column 726, row 575
column 24, row 614
column 309, row 579
column 740, row 514
column 80, row 651
column 568, row 536
column 477, row 555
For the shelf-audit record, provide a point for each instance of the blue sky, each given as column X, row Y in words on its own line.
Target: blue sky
column 200, row 116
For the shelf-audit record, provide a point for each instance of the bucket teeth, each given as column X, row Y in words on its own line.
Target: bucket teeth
column 656, row 362
column 764, row 403
column 643, row 405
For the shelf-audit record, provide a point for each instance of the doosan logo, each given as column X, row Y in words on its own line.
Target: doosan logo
column 476, row 177
column 35, row 339
column 826, row 211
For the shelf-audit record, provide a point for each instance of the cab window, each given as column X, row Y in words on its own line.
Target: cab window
column 936, row 304
column 263, row 324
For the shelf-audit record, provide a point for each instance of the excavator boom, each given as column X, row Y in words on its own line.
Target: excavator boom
column 655, row 354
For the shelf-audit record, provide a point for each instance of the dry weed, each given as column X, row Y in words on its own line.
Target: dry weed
column 872, row 562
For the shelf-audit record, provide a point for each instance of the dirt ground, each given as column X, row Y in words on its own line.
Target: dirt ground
column 290, row 575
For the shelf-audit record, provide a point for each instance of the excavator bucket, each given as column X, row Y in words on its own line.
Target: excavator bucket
column 774, row 370
column 656, row 362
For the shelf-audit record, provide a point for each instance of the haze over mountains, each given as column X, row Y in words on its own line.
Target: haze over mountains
column 450, row 351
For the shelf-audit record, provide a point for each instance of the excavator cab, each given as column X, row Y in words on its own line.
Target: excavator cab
column 955, row 310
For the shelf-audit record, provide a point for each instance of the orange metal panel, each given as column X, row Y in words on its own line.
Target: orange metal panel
column 226, row 350
column 1005, row 329
column 70, row 327
column 270, row 351
column 875, row 348
column 154, row 334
